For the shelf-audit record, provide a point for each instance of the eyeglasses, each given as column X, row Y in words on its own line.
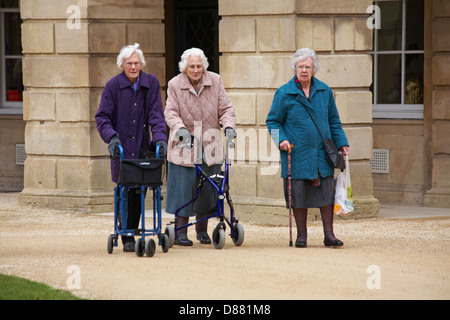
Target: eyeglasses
column 308, row 68
column 130, row 64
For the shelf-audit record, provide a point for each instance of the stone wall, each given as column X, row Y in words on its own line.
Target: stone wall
column 70, row 52
column 437, row 101
column 11, row 133
column 257, row 61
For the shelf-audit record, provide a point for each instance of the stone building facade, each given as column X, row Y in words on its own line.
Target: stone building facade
column 69, row 52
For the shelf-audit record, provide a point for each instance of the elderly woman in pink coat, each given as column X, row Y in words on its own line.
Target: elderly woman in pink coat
column 197, row 105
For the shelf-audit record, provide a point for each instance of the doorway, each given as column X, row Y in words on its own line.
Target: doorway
column 191, row 23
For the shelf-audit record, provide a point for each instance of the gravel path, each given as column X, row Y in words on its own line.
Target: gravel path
column 381, row 259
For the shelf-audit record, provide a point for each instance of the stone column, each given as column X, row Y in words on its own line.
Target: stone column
column 437, row 97
column 257, row 40
column 70, row 49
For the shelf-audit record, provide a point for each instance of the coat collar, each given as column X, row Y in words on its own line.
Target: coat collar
column 186, row 84
column 125, row 82
column 316, row 85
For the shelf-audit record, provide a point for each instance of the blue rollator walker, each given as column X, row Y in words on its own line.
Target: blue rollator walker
column 219, row 184
column 138, row 175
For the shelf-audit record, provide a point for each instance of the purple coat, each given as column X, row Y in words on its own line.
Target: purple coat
column 121, row 111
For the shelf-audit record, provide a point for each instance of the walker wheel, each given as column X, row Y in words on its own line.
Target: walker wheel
column 150, row 247
column 110, row 243
column 218, row 237
column 170, row 232
column 238, row 234
column 165, row 242
column 139, row 248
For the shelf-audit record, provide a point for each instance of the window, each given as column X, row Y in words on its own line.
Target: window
column 398, row 59
column 11, row 92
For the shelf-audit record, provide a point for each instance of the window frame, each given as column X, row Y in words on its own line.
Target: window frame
column 7, row 107
column 401, row 110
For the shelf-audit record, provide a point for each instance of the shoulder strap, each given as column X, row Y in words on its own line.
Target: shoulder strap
column 144, row 145
column 313, row 121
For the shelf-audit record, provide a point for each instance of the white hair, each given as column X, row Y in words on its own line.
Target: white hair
column 302, row 54
column 127, row 51
column 192, row 52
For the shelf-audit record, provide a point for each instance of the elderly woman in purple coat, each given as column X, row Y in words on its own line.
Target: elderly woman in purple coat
column 120, row 120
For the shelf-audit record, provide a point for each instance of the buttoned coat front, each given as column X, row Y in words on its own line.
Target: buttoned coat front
column 201, row 113
column 121, row 111
column 289, row 120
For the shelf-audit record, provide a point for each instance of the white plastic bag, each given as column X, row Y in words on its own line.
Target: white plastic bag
column 343, row 198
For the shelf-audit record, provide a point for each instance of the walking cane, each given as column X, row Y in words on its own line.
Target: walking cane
column 290, row 196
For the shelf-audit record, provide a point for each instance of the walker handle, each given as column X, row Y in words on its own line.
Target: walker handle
column 157, row 151
column 120, row 151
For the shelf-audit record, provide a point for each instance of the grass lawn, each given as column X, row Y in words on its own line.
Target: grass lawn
column 14, row 288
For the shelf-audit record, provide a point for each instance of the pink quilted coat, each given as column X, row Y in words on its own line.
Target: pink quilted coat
column 201, row 114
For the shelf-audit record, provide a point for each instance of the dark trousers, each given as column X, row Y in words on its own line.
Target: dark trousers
column 134, row 212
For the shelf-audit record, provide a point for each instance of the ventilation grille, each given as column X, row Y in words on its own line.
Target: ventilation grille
column 380, row 161
column 21, row 155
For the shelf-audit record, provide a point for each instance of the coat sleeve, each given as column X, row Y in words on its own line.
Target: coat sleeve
column 155, row 112
column 337, row 133
column 172, row 111
column 276, row 118
column 104, row 116
column 226, row 110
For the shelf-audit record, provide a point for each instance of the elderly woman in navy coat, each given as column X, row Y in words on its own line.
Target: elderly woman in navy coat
column 120, row 120
column 289, row 124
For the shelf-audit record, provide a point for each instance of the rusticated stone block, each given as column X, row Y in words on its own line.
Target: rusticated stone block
column 40, row 173
column 37, row 38
column 346, row 71
column 255, row 7
column 71, row 40
column 150, row 37
column 73, row 106
column 39, row 71
column 360, row 141
column 333, row 6
column 107, row 37
column 244, row 27
column 354, row 106
column 314, row 33
column 244, row 105
column 39, row 105
column 275, row 34
column 243, row 180
column 45, row 138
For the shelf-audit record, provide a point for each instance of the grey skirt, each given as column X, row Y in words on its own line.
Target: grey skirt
column 305, row 195
column 180, row 186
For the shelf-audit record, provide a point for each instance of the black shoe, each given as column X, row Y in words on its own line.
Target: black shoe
column 332, row 243
column 182, row 241
column 203, row 237
column 128, row 246
column 300, row 244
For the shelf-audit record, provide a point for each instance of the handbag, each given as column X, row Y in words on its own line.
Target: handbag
column 334, row 157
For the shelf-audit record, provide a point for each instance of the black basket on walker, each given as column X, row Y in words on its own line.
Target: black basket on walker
column 146, row 172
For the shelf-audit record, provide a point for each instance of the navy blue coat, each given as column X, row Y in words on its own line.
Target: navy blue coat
column 121, row 111
column 288, row 120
